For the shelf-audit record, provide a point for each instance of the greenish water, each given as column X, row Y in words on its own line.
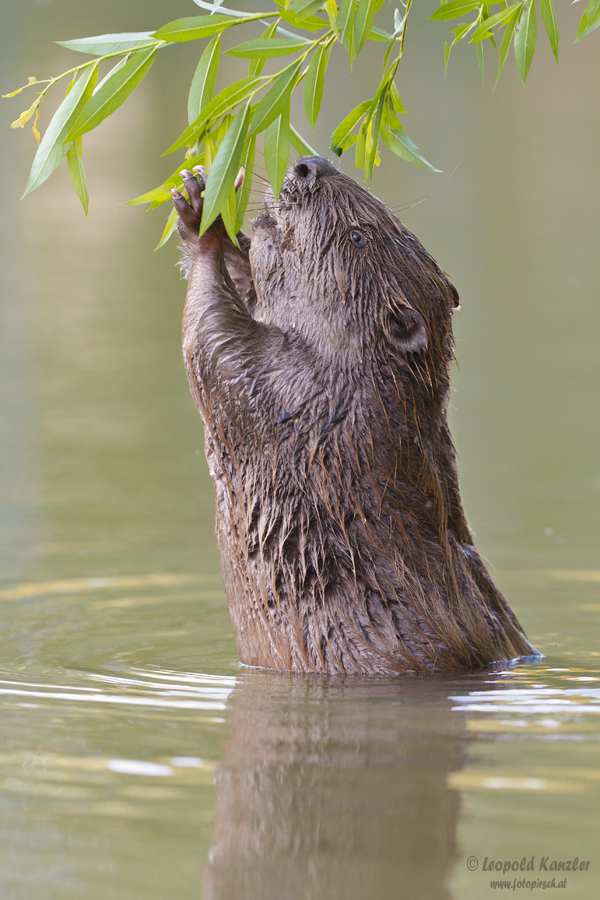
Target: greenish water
column 137, row 760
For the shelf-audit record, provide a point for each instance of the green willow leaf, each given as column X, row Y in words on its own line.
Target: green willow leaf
column 507, row 39
column 378, row 34
column 376, row 130
column 225, row 99
column 169, row 228
column 160, row 193
column 447, row 48
column 228, row 211
column 345, row 22
column 52, row 146
column 111, row 43
column 193, row 27
column 300, row 145
column 346, row 125
column 276, row 99
column 264, row 49
column 243, row 194
column 257, row 65
column 396, row 99
column 454, row 10
column 224, row 168
column 460, row 34
column 525, row 40
column 113, row 92
column 363, row 23
column 550, row 24
column 205, row 77
column 314, row 83
column 484, row 30
column 590, row 19
column 479, row 51
column 399, row 143
column 305, row 8
column 77, row 173
column 360, row 156
column 313, row 23
column 277, row 151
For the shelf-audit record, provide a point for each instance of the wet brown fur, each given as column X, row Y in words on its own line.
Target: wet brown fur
column 320, row 367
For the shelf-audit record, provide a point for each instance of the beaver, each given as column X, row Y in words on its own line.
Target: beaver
column 318, row 354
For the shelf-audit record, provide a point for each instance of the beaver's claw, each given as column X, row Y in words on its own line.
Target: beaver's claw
column 190, row 212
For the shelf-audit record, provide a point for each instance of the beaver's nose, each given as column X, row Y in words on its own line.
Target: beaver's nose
column 309, row 168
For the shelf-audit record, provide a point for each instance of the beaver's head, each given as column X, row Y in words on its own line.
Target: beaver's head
column 334, row 265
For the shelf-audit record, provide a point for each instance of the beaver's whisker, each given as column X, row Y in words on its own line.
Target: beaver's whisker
column 257, row 175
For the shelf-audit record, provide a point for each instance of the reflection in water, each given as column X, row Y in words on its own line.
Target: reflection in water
column 336, row 791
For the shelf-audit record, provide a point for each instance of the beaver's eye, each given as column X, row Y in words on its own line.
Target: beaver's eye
column 357, row 237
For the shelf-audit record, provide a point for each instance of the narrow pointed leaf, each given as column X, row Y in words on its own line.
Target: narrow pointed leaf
column 243, row 194
column 305, row 8
column 25, row 116
column 460, row 33
column 162, row 193
column 113, row 92
column 378, row 34
column 550, row 24
column 447, row 49
column 205, row 77
column 399, row 143
column 51, row 149
column 314, row 82
column 77, row 173
column 485, row 29
column 590, row 19
column 361, row 149
column 264, row 49
column 507, row 39
column 243, row 17
column 479, row 51
column 276, row 99
column 228, row 216
column 225, row 99
column 159, row 195
column 396, row 99
column 300, row 145
column 193, row 27
column 525, row 39
column 454, row 10
column 376, row 129
column 345, row 22
column 110, row 43
column 346, row 125
column 311, row 23
column 257, row 65
column 277, row 151
column 225, row 166
column 169, row 228
column 363, row 23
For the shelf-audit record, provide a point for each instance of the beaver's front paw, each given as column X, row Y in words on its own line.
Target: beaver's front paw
column 190, row 213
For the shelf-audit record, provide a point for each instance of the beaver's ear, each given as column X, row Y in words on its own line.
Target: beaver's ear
column 408, row 330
